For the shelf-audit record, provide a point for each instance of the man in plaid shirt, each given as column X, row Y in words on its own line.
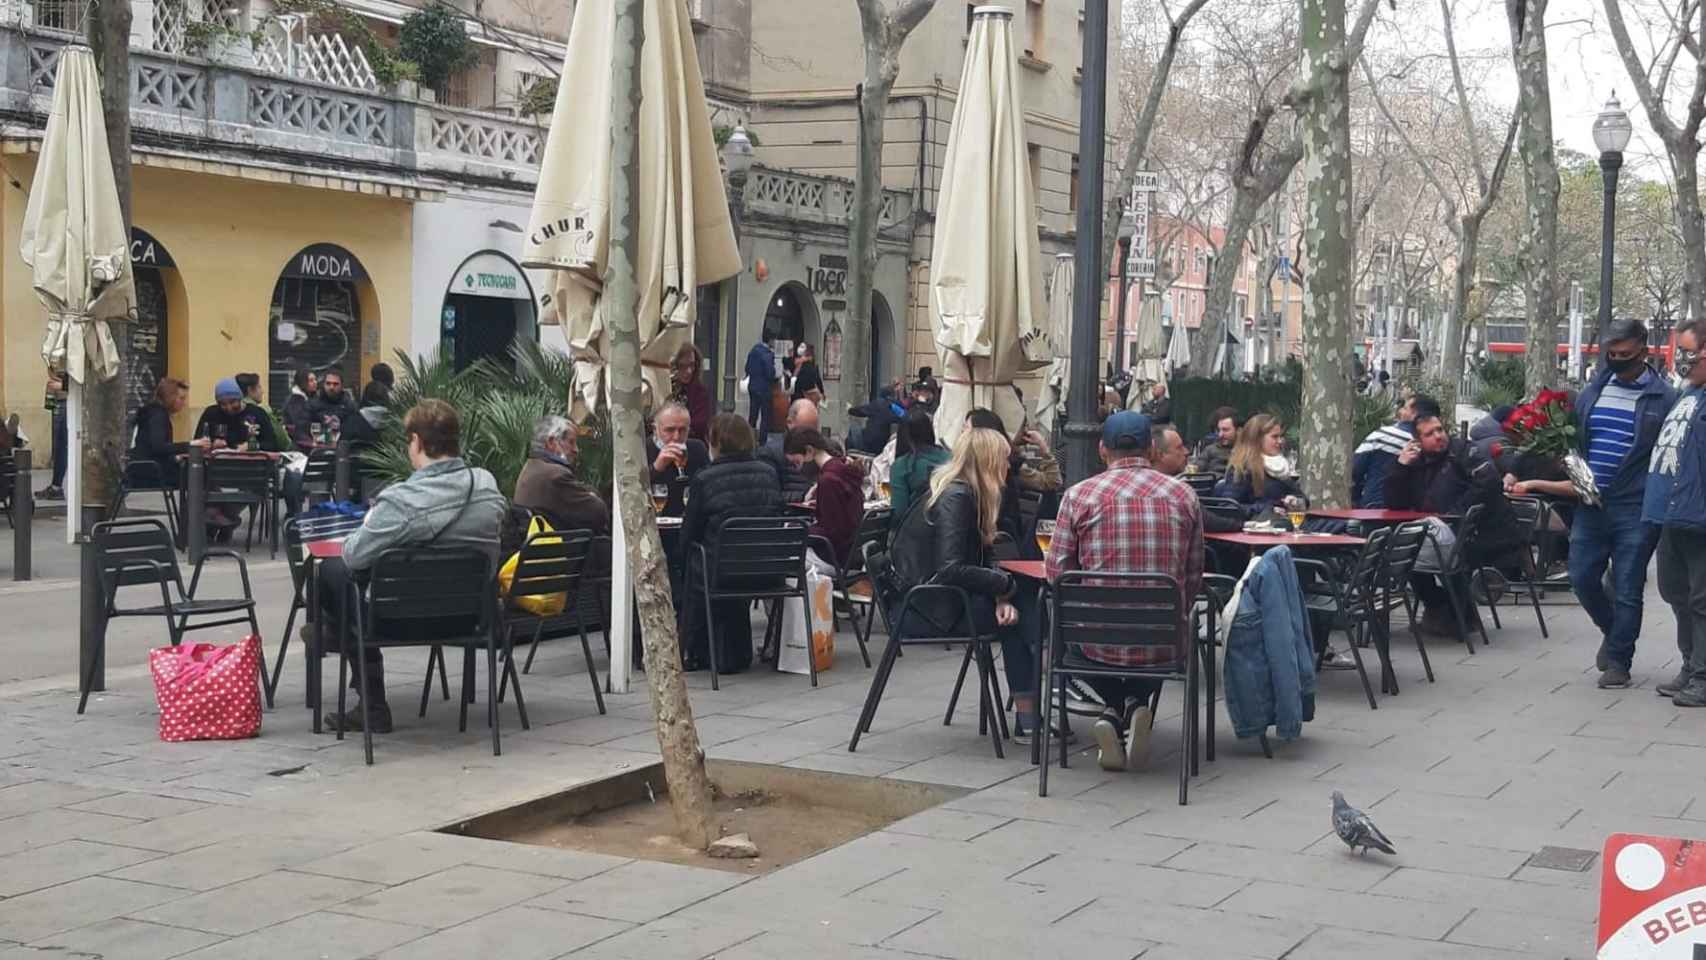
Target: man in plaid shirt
column 1128, row 519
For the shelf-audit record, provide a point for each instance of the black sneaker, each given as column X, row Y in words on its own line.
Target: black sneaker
column 50, row 493
column 1616, row 678
column 1602, row 660
column 1693, row 695
column 1671, row 687
column 1022, row 735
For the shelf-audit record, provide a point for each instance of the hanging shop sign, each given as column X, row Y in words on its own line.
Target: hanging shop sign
column 145, row 251
column 491, row 275
column 829, row 277
column 325, row 261
column 832, row 351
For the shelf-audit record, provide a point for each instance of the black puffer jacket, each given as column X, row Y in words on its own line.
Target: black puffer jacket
column 1450, row 484
column 731, row 486
column 940, row 543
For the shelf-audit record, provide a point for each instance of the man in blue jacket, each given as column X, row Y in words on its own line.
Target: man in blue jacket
column 1619, row 413
column 760, row 374
column 1676, row 499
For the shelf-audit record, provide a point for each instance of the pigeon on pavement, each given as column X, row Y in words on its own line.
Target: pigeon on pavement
column 1356, row 829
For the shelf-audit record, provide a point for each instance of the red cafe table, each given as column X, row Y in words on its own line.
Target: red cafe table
column 1263, row 541
column 1373, row 515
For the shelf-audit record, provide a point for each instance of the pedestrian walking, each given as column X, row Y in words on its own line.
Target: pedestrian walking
column 1620, row 411
column 1676, row 499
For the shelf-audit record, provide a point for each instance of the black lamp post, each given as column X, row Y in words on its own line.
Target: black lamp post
column 737, row 161
column 1089, row 280
column 1123, row 265
column 1611, row 131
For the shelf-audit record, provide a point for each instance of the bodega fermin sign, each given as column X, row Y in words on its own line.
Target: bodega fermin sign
column 1652, row 898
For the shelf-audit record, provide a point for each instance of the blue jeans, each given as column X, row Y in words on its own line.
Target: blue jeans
column 1624, row 542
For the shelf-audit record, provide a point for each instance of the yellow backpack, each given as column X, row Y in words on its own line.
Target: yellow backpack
column 540, row 605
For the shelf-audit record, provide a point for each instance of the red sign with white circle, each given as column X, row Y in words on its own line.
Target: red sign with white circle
column 1652, row 898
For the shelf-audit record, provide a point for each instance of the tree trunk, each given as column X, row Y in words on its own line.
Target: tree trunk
column 1251, row 192
column 1685, row 167
column 1453, row 336
column 1330, row 235
column 884, row 34
column 102, row 407
column 678, row 739
column 1539, row 245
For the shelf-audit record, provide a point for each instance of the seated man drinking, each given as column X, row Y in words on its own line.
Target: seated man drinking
column 444, row 503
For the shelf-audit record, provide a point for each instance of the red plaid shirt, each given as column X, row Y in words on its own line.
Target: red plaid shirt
column 1130, row 519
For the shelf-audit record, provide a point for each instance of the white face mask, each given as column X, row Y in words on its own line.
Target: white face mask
column 801, row 353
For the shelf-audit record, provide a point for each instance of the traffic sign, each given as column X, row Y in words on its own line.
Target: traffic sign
column 1652, row 898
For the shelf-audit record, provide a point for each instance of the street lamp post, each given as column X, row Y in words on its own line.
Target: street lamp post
column 1089, row 281
column 1123, row 265
column 737, row 161
column 1611, row 131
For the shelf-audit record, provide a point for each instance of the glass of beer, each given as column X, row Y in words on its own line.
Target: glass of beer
column 660, row 497
column 1045, row 534
column 1294, row 512
column 884, row 487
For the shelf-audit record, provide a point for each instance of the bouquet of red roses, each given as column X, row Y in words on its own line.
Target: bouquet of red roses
column 1546, row 427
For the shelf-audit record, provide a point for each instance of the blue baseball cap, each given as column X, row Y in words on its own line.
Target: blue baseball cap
column 227, row 389
column 1126, row 428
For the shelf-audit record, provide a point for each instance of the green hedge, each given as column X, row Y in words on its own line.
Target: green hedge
column 1195, row 398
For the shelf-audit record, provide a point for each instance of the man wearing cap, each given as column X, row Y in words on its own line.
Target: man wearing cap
column 225, row 423
column 1129, row 518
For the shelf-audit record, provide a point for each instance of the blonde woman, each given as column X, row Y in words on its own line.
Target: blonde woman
column 948, row 542
column 1253, row 474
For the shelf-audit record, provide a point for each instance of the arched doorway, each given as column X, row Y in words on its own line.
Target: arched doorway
column 790, row 317
column 488, row 306
column 315, row 318
column 882, row 329
column 156, row 276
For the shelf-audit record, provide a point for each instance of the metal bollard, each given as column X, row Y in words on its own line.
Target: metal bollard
column 195, row 509
column 23, row 515
column 341, row 475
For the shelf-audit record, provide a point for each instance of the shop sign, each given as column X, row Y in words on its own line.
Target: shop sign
column 145, row 251
column 829, row 277
column 832, row 351
column 325, row 261
column 490, row 275
column 1652, row 898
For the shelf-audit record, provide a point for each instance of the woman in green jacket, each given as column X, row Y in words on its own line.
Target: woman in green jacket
column 274, row 440
column 918, row 455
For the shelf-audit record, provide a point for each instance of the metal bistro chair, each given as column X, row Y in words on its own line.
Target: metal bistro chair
column 8, row 483
column 1216, row 593
column 429, row 596
column 550, row 564
column 145, row 476
column 1533, row 515
column 1141, row 612
column 1456, row 572
column 1202, row 483
column 299, row 531
column 139, row 552
column 890, row 595
column 319, row 475
column 242, row 481
column 873, row 532
column 765, row 554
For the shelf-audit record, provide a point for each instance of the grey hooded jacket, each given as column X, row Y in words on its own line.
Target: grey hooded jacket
column 444, row 504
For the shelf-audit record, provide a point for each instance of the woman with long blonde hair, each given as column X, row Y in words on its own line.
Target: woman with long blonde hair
column 1253, row 477
column 946, row 540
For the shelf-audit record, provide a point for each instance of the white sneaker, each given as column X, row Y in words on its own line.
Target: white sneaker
column 1110, row 753
column 1137, row 739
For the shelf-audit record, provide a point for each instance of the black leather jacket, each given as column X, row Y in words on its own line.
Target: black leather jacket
column 940, row 543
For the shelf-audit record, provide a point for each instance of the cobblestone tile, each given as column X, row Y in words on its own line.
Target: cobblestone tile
column 450, row 896
column 323, row 936
column 638, row 891
column 76, row 904
column 116, row 939
column 58, row 863
column 252, row 904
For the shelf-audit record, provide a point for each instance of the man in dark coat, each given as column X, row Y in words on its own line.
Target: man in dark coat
column 548, row 485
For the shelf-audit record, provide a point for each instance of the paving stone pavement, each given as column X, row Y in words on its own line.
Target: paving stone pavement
column 115, row 845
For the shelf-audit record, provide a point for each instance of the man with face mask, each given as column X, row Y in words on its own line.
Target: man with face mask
column 1676, row 500
column 1620, row 410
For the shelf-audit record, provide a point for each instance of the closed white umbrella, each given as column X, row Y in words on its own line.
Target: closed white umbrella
column 1052, row 403
column 985, row 266
column 685, row 238
column 683, row 234
column 1179, row 348
column 75, row 242
column 1151, row 343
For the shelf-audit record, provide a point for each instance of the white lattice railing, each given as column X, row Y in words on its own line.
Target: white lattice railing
column 287, row 49
column 508, row 143
column 822, row 199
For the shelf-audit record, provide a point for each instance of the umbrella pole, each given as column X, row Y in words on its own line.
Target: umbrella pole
column 1089, row 281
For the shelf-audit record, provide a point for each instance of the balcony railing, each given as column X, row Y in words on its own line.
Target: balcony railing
column 815, row 199
column 243, row 110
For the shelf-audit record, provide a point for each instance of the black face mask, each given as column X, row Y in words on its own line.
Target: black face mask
column 1622, row 365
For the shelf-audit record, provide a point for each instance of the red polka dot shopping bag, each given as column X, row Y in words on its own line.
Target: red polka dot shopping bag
column 208, row 692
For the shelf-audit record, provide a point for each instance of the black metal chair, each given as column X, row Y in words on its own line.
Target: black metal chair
column 319, row 475
column 1145, row 613
column 1533, row 515
column 1456, row 572
column 1350, row 596
column 757, row 558
column 429, row 596
column 1202, row 483
column 549, row 565
column 299, row 531
column 1216, row 593
column 145, row 476
column 242, row 482
column 8, row 483
column 979, row 646
column 139, row 552
column 873, row 532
